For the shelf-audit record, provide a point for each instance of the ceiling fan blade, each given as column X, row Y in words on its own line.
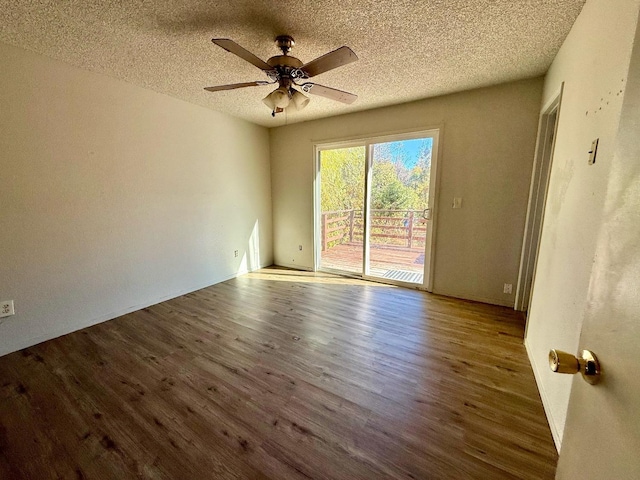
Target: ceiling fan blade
column 233, row 47
column 236, row 85
column 328, row 92
column 329, row 61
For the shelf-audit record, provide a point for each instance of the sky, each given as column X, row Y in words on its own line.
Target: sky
column 411, row 149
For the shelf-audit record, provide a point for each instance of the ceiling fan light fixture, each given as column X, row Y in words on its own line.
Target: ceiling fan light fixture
column 279, row 98
column 268, row 101
column 299, row 99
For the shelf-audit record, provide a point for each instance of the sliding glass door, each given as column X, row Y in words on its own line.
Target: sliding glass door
column 342, row 209
column 399, row 202
column 374, row 202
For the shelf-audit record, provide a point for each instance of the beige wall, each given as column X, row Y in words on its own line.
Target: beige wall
column 486, row 145
column 593, row 63
column 114, row 197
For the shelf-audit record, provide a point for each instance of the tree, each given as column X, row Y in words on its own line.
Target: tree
column 342, row 173
column 399, row 182
column 420, row 176
column 387, row 191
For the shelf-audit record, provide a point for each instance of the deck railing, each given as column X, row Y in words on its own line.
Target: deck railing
column 399, row 228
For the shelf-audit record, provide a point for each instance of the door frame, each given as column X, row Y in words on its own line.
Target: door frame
column 538, row 190
column 367, row 142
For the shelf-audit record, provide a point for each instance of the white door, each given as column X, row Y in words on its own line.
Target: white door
column 602, row 433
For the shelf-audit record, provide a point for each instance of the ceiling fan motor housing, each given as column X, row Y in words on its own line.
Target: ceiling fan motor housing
column 284, row 43
column 285, row 66
column 284, row 61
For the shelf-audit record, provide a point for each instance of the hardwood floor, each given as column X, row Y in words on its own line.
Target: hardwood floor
column 283, row 375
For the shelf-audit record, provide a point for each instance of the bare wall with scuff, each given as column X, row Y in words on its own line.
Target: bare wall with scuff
column 593, row 64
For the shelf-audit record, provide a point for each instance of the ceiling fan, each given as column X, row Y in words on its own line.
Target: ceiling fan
column 289, row 72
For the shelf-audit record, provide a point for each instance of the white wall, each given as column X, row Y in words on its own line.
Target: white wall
column 610, row 411
column 113, row 197
column 593, row 62
column 487, row 147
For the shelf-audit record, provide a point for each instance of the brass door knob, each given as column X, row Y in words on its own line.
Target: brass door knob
column 587, row 364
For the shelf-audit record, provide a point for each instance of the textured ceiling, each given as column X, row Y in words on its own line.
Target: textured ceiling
column 408, row 49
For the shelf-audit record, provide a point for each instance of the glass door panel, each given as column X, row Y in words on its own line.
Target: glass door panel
column 341, row 229
column 398, row 209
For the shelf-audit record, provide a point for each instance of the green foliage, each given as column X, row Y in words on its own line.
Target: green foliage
column 342, row 174
column 420, row 177
column 388, row 192
column 397, row 184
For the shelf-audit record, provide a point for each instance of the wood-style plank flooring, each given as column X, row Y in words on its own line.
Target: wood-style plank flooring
column 282, row 375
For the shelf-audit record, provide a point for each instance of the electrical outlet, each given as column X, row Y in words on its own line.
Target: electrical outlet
column 6, row 308
column 508, row 288
column 235, row 253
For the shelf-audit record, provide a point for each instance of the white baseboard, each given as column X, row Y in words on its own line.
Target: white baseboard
column 474, row 298
column 293, row 266
column 555, row 431
column 66, row 329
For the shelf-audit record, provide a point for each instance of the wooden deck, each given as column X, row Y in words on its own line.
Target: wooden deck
column 384, row 262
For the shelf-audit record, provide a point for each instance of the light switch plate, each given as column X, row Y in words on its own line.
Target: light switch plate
column 457, row 202
column 593, row 151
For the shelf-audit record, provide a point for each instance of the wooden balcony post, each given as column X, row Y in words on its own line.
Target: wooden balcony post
column 351, row 222
column 324, row 231
column 410, row 239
